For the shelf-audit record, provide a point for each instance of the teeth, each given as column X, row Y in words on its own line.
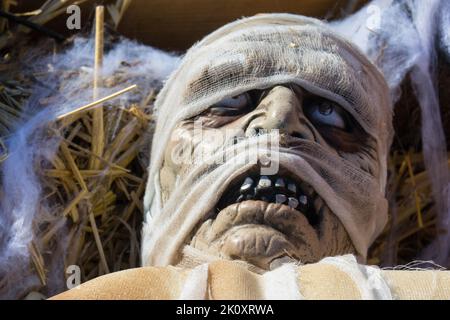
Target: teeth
column 280, row 198
column 264, row 183
column 292, row 202
column 309, row 191
column 280, row 183
column 247, row 185
column 318, row 203
column 292, row 187
column 265, row 191
column 303, row 200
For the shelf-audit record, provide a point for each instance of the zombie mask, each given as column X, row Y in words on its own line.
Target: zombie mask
column 271, row 142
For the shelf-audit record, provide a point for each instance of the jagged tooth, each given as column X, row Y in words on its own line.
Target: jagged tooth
column 306, row 189
column 247, row 185
column 240, row 198
column 303, row 200
column 309, row 191
column 292, row 202
column 318, row 203
column 264, row 182
column 280, row 183
column 292, row 187
column 280, row 198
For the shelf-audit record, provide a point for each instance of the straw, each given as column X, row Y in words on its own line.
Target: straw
column 97, row 115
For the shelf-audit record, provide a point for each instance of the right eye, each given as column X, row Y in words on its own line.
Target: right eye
column 232, row 106
column 328, row 113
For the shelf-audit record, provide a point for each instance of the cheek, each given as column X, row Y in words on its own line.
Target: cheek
column 366, row 160
column 168, row 180
column 175, row 160
column 189, row 146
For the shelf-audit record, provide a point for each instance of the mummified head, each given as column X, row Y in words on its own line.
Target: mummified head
column 271, row 142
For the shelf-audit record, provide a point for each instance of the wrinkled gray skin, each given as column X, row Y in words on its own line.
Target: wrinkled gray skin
column 256, row 231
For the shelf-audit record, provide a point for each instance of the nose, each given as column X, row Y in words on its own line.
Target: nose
column 281, row 109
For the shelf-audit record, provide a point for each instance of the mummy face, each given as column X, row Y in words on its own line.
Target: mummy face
column 263, row 218
column 331, row 111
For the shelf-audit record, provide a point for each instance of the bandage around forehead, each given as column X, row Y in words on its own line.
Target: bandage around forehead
column 257, row 53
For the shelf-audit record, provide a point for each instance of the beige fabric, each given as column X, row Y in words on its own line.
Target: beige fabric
column 256, row 53
column 230, row 280
column 139, row 283
column 196, row 285
column 370, row 282
column 428, row 285
column 326, row 282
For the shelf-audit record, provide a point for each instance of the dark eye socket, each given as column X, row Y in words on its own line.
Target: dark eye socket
column 335, row 124
column 323, row 112
column 232, row 106
column 238, row 105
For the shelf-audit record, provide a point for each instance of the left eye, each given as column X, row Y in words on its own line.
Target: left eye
column 327, row 113
column 232, row 106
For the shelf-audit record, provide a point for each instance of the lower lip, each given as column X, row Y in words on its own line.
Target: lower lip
column 257, row 244
column 259, row 232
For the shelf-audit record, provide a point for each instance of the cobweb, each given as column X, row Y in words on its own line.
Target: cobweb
column 21, row 188
column 402, row 37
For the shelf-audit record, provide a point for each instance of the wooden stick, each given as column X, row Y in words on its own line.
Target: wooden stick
column 113, row 165
column 74, row 202
column 38, row 262
column 98, row 242
column 416, row 195
column 56, row 173
column 98, row 134
column 97, row 102
column 53, row 34
column 3, row 151
column 73, row 166
column 4, row 6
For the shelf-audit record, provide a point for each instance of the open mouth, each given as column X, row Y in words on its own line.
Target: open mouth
column 281, row 189
column 263, row 218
